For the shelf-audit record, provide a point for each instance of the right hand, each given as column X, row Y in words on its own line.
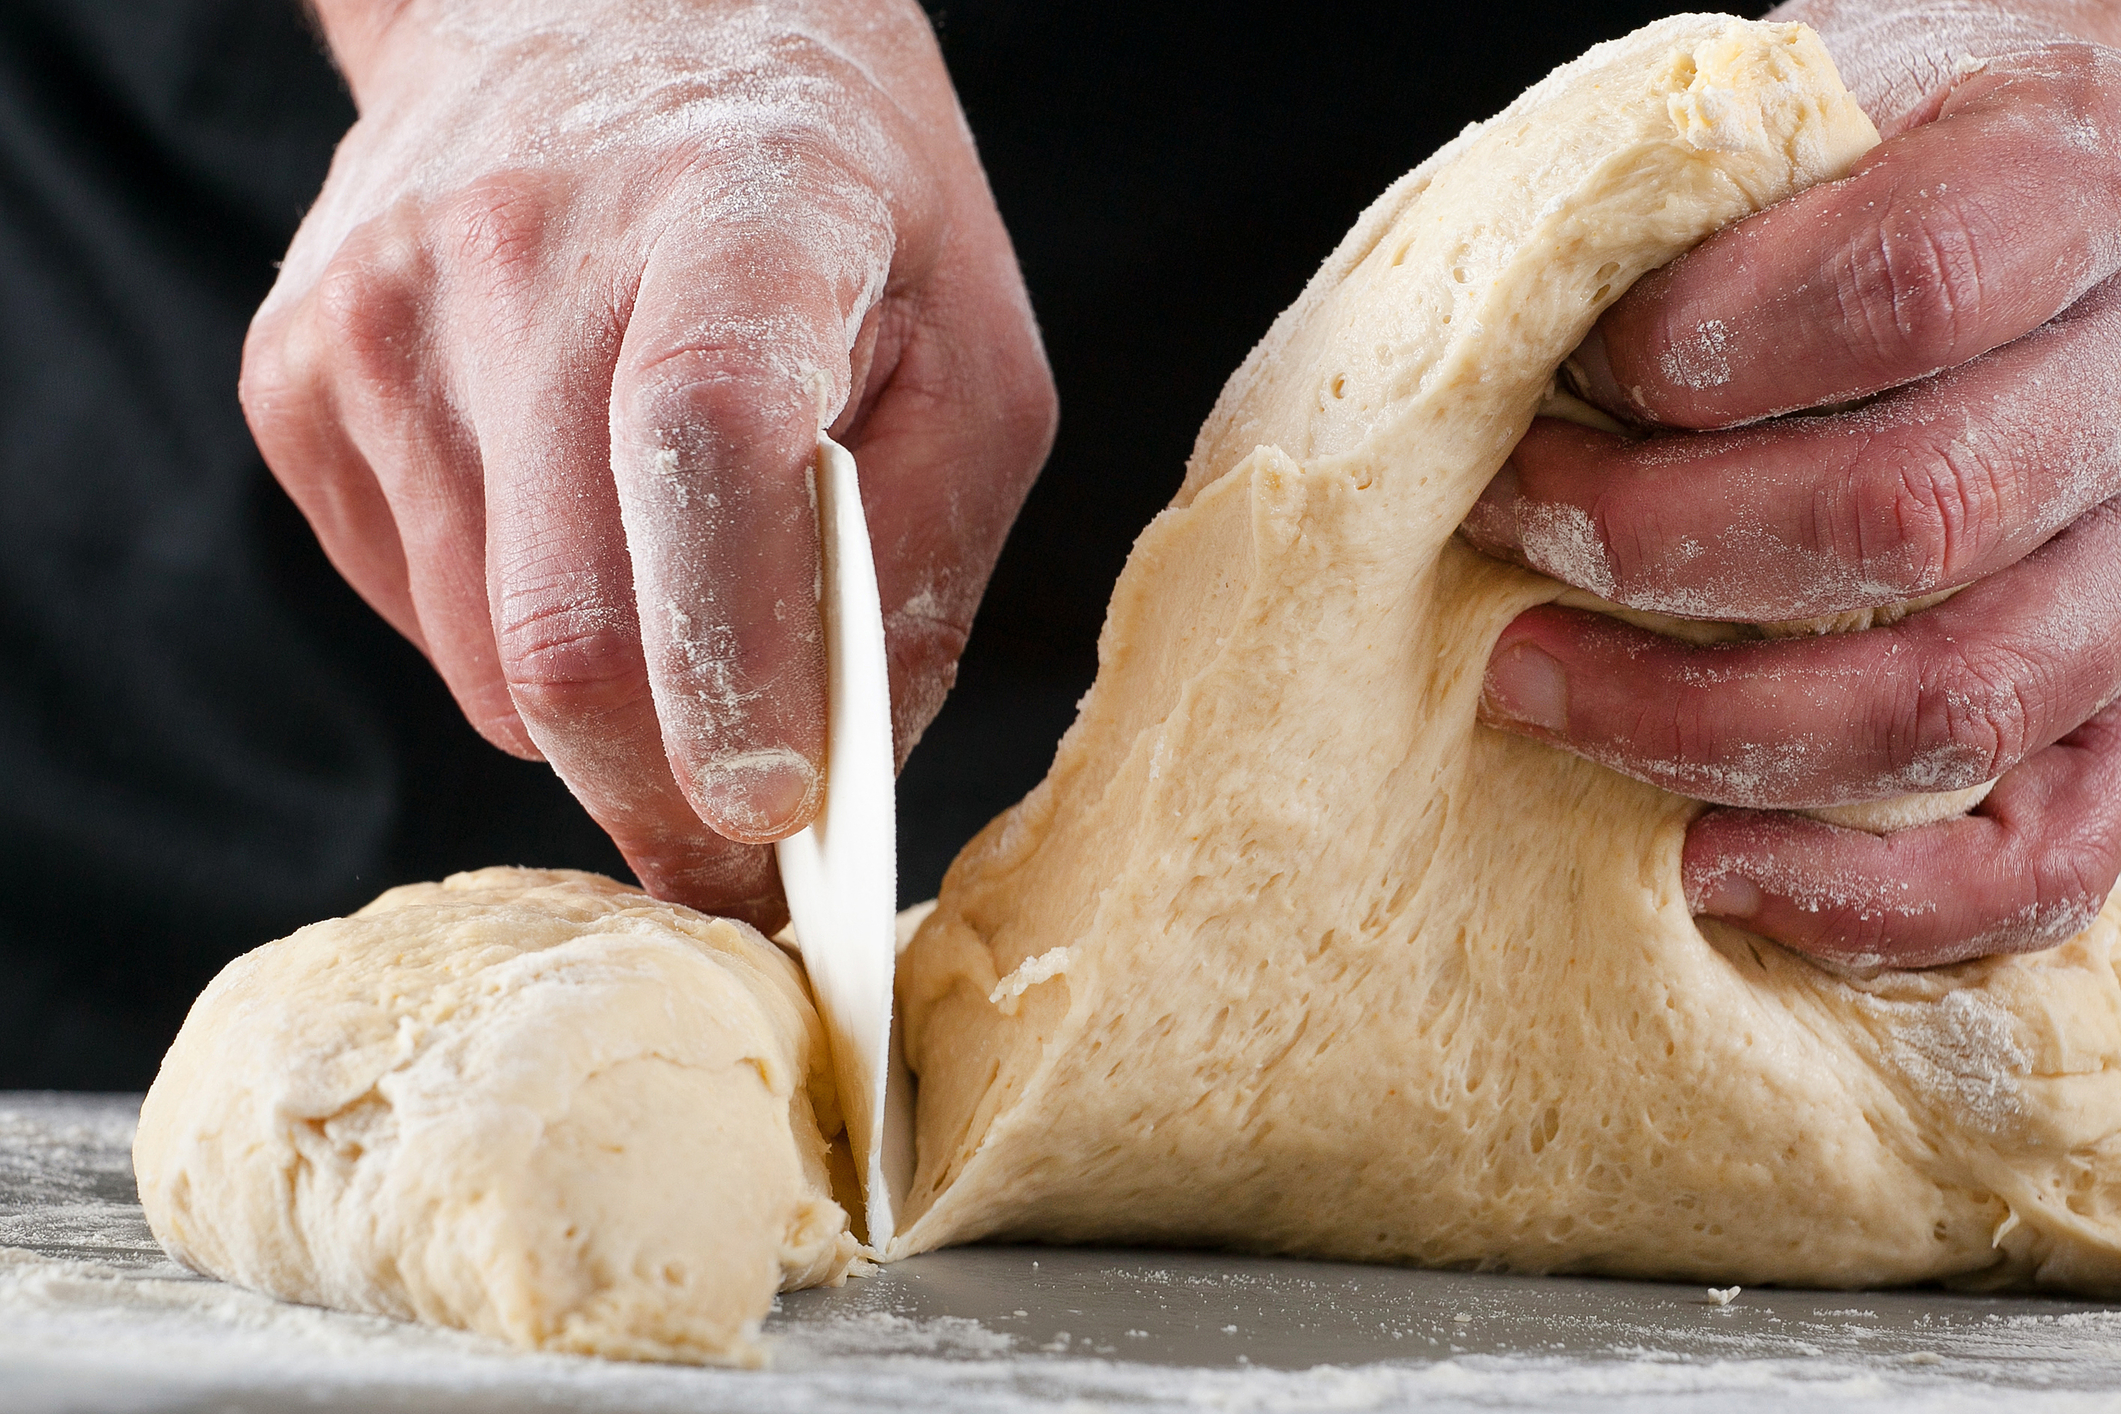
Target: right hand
column 547, row 364
column 1965, row 279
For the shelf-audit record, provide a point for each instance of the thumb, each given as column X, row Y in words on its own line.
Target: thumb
column 735, row 357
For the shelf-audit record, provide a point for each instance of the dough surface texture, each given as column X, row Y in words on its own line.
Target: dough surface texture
column 1289, row 954
column 538, row 1105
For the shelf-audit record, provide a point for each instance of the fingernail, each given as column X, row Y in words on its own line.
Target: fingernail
column 1492, row 523
column 761, row 795
column 1730, row 897
column 1590, row 368
column 1528, row 687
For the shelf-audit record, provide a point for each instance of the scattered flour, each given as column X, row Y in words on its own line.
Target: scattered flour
column 135, row 1332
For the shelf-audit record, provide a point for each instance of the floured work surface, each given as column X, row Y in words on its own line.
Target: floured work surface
column 92, row 1316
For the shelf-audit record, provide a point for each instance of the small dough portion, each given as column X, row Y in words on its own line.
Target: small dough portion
column 538, row 1105
column 1289, row 953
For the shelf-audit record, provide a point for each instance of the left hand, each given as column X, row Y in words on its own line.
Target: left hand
column 1969, row 271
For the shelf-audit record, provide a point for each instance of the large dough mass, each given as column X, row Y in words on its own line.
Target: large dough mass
column 1287, row 953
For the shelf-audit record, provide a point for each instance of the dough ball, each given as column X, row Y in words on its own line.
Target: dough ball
column 538, row 1105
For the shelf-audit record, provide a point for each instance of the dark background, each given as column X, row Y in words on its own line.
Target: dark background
column 206, row 740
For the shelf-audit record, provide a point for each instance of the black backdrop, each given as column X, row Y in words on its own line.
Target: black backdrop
column 206, row 740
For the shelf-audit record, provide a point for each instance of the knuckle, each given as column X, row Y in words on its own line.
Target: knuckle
column 1947, row 510
column 1029, row 412
column 1686, row 734
column 1860, row 934
column 1690, row 740
column 365, row 311
column 2083, row 81
column 927, row 636
column 565, row 657
column 1973, row 718
column 2072, row 878
column 726, row 402
column 1614, row 540
column 270, row 386
column 2075, row 875
column 717, row 876
column 493, row 715
column 1039, row 412
column 1912, row 293
column 493, row 233
column 1594, row 549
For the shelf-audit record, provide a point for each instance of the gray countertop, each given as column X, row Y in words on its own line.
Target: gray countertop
column 94, row 1317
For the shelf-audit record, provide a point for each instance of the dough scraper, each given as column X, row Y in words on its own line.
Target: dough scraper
column 841, row 873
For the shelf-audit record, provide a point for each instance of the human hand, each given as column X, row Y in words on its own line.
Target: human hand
column 1967, row 271
column 547, row 365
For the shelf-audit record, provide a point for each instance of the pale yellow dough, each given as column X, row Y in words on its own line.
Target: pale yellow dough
column 538, row 1105
column 1287, row 953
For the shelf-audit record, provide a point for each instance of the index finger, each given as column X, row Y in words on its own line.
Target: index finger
column 1949, row 240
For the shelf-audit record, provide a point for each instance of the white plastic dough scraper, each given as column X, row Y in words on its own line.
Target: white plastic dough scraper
column 841, row 873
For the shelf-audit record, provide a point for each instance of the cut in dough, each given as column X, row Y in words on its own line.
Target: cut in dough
column 538, row 1105
column 1313, row 963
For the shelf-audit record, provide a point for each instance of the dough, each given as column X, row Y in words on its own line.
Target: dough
column 538, row 1105
column 1288, row 954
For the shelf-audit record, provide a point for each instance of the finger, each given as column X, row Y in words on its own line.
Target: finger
column 2031, row 868
column 1933, row 486
column 537, row 370
column 948, row 444
column 294, row 418
column 379, row 415
column 1946, row 241
column 735, row 357
column 1945, row 699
